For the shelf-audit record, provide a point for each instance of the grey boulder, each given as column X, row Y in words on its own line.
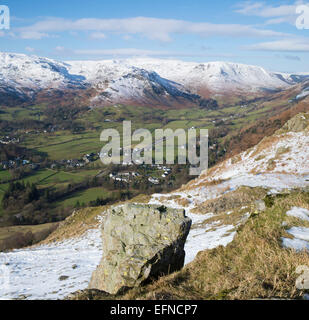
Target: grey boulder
column 140, row 242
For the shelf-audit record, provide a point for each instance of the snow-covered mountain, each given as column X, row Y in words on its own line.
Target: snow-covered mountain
column 32, row 73
column 216, row 76
column 114, row 82
column 140, row 86
column 197, row 77
column 142, row 81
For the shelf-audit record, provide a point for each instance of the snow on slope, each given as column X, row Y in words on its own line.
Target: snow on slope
column 116, row 82
column 124, row 79
column 285, row 152
column 299, row 213
column 20, row 71
column 303, row 94
column 34, row 273
column 215, row 75
column 141, row 86
column 300, row 240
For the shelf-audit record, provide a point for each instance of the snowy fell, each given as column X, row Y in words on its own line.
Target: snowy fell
column 150, row 81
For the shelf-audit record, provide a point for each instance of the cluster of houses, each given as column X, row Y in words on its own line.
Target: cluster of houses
column 8, row 140
column 153, row 180
column 13, row 164
column 124, row 176
column 47, row 130
column 75, row 163
column 70, row 163
column 129, row 176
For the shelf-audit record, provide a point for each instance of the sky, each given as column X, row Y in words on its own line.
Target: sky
column 261, row 33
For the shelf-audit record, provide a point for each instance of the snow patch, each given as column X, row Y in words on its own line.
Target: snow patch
column 201, row 239
column 299, row 233
column 300, row 213
column 34, row 273
column 303, row 94
column 296, row 244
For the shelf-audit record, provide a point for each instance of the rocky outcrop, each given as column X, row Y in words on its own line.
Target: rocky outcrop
column 140, row 242
column 298, row 123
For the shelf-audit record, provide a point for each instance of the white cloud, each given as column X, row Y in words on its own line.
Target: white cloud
column 60, row 48
column 127, row 37
column 98, row 35
column 134, row 52
column 120, row 52
column 34, row 35
column 273, row 14
column 152, row 28
column 288, row 45
column 261, row 9
column 29, row 49
column 291, row 57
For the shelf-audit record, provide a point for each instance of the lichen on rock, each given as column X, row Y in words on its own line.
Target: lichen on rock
column 140, row 242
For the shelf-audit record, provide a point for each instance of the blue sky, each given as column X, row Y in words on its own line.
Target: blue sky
column 252, row 32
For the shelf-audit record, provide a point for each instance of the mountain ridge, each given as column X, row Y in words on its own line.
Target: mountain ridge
column 140, row 81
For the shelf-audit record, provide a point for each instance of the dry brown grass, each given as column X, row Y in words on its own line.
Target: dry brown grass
column 16, row 236
column 223, row 219
column 76, row 224
column 253, row 266
column 183, row 202
column 281, row 151
column 271, row 164
column 236, row 159
column 243, row 196
column 266, row 143
column 202, row 183
column 260, row 157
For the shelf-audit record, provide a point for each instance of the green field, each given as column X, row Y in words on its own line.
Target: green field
column 84, row 197
column 64, row 144
column 47, row 178
column 4, row 175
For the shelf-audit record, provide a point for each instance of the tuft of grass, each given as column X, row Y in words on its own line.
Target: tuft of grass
column 271, row 164
column 260, row 157
column 282, row 150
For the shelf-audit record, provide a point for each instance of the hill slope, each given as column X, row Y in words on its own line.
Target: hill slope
column 220, row 203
